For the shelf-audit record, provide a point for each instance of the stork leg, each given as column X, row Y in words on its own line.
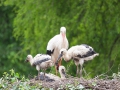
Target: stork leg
column 60, row 61
column 80, row 70
column 57, row 66
column 81, row 61
column 38, row 69
column 44, row 76
column 38, row 75
column 77, row 70
column 56, row 70
column 77, row 64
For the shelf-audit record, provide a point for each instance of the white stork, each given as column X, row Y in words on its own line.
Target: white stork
column 55, row 44
column 51, row 77
column 41, row 61
column 79, row 53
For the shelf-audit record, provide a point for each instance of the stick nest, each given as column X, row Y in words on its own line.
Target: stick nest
column 79, row 83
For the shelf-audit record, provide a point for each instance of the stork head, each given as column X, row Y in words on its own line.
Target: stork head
column 63, row 31
column 29, row 57
column 62, row 72
column 62, row 53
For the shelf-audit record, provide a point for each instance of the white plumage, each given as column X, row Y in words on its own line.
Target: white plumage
column 56, row 43
column 52, row 77
column 79, row 53
column 41, row 61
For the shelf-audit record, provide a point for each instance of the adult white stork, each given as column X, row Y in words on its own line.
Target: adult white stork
column 55, row 44
column 51, row 77
column 79, row 53
column 41, row 61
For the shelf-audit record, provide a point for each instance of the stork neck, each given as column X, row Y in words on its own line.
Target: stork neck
column 63, row 35
column 31, row 61
column 62, row 76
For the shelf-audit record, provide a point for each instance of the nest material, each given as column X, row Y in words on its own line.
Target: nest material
column 94, row 84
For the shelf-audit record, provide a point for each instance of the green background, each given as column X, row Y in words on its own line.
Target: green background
column 26, row 26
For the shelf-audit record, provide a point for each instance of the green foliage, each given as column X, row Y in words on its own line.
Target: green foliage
column 14, row 81
column 116, row 75
column 7, row 45
column 33, row 23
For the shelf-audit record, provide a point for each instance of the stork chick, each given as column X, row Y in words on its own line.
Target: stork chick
column 41, row 61
column 55, row 44
column 80, row 54
column 51, row 77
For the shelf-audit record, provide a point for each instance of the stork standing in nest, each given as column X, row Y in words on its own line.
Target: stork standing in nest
column 41, row 61
column 80, row 54
column 55, row 44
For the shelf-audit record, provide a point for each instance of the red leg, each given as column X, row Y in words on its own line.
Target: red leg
column 57, row 67
column 60, row 62
column 56, row 70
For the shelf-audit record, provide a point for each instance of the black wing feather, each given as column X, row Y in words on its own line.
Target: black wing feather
column 40, row 61
column 89, row 53
column 49, row 52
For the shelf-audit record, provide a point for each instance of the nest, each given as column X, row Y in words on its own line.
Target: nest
column 79, row 83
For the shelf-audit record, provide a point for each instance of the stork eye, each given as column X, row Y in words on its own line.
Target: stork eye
column 27, row 60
